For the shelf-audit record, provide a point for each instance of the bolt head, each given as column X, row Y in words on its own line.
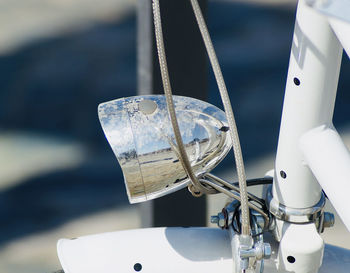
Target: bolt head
column 218, row 219
column 328, row 220
column 222, row 220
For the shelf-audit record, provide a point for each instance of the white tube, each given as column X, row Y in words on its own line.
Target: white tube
column 309, row 102
column 329, row 160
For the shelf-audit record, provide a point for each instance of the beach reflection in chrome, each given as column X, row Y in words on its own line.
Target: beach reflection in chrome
column 141, row 136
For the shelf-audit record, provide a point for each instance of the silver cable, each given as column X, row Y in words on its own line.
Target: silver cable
column 229, row 114
column 227, row 106
column 199, row 189
column 235, row 195
column 233, row 187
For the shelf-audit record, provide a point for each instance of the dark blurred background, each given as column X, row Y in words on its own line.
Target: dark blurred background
column 60, row 59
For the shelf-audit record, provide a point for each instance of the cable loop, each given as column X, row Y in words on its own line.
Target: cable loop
column 229, row 115
column 194, row 191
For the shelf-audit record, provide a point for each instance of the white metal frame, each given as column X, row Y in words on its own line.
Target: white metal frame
column 174, row 250
column 309, row 102
column 310, row 154
column 305, row 153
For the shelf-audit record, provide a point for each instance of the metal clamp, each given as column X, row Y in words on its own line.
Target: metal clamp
column 294, row 215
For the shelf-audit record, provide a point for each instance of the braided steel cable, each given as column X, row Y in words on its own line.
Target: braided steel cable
column 199, row 189
column 229, row 115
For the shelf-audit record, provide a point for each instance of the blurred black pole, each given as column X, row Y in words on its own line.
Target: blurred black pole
column 187, row 62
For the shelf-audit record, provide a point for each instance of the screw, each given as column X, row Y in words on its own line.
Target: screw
column 259, row 251
column 219, row 220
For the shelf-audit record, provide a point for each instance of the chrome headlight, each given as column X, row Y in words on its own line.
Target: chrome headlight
column 140, row 134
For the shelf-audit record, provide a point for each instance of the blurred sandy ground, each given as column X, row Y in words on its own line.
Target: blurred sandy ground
column 27, row 154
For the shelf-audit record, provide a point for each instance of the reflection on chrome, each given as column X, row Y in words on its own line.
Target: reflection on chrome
column 140, row 134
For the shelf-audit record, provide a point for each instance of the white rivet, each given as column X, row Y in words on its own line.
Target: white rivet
column 147, row 107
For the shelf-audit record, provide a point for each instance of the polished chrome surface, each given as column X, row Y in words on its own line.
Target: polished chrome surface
column 140, row 134
column 295, row 215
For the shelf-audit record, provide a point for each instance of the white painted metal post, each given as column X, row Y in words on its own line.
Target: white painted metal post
column 309, row 102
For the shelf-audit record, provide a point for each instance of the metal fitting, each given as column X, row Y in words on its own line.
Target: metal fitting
column 328, row 220
column 214, row 219
column 293, row 215
column 247, row 250
column 259, row 251
column 259, row 219
column 224, row 218
column 219, row 219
